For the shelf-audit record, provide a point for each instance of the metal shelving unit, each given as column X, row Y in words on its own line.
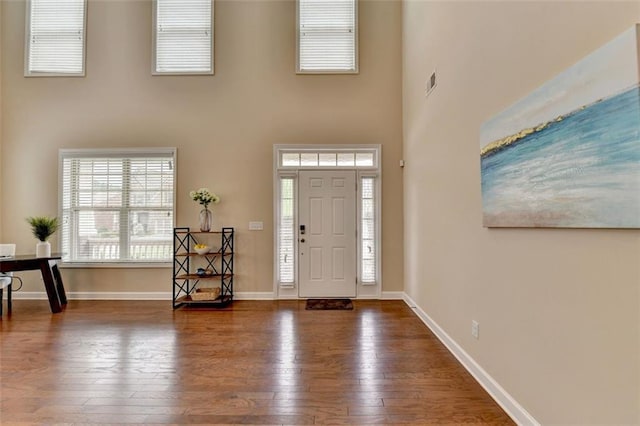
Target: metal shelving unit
column 186, row 281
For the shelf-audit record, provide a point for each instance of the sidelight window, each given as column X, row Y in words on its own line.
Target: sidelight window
column 368, row 230
column 286, row 232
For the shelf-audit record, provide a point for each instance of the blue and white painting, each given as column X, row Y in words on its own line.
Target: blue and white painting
column 568, row 154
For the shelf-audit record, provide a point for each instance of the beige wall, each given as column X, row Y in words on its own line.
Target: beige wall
column 559, row 309
column 223, row 126
column 1, row 27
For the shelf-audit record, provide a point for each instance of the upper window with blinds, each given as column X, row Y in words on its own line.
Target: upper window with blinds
column 55, row 37
column 183, row 37
column 117, row 206
column 327, row 33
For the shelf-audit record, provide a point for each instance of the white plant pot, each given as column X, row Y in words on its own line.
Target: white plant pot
column 43, row 249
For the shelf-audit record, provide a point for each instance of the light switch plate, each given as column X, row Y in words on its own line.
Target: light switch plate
column 256, row 226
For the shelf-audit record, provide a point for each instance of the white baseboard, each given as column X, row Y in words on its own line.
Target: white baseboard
column 128, row 295
column 162, row 295
column 497, row 392
column 29, row 295
column 96, row 295
column 165, row 295
column 265, row 295
column 392, row 295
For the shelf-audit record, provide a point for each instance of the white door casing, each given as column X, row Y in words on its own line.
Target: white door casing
column 327, row 246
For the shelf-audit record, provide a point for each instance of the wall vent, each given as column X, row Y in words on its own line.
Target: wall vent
column 430, row 84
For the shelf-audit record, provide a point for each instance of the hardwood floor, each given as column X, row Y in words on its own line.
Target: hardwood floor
column 253, row 363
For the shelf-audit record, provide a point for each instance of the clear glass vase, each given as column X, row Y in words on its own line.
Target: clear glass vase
column 205, row 220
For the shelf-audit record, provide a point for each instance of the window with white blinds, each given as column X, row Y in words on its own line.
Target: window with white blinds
column 117, row 207
column 55, row 34
column 368, row 227
column 183, row 36
column 327, row 36
column 286, row 232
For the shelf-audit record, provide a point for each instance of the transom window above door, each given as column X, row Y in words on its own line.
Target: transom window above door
column 348, row 158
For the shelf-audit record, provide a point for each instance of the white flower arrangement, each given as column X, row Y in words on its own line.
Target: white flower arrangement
column 204, row 197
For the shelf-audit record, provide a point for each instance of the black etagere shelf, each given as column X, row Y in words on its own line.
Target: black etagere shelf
column 219, row 264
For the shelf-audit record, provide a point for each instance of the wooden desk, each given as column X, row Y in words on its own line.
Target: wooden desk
column 48, row 267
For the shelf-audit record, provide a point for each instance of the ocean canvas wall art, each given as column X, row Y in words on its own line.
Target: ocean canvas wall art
column 568, row 154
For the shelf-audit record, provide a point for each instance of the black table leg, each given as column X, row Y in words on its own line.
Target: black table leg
column 50, row 286
column 62, row 295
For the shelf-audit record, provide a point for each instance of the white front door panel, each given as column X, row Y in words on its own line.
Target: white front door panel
column 327, row 248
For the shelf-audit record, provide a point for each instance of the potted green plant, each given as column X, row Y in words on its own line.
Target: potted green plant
column 43, row 227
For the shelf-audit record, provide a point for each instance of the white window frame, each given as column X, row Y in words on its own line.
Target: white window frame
column 368, row 290
column 377, row 227
column 154, row 70
column 27, row 48
column 372, row 150
column 106, row 153
column 294, row 177
column 356, row 64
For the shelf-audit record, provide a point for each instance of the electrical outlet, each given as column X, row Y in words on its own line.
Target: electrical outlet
column 475, row 329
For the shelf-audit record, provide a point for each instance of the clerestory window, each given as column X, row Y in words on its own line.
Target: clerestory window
column 182, row 37
column 327, row 36
column 55, row 38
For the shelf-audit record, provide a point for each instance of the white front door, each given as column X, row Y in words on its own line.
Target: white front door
column 327, row 233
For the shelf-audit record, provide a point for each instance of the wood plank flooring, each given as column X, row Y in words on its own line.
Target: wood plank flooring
column 136, row 362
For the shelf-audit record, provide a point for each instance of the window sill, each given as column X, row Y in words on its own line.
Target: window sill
column 327, row 72
column 115, row 265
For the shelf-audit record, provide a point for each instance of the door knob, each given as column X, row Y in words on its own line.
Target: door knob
column 302, row 240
